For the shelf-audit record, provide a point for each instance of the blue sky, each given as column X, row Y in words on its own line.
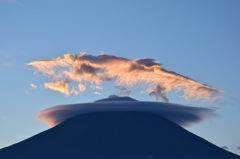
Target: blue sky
column 199, row 39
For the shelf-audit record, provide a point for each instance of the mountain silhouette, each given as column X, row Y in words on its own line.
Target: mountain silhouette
column 116, row 135
column 116, row 98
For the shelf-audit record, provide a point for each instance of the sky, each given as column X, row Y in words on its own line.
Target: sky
column 199, row 39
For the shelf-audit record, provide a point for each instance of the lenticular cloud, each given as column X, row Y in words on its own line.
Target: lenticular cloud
column 74, row 73
column 180, row 114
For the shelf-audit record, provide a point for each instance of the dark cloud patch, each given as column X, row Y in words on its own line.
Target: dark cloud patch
column 148, row 62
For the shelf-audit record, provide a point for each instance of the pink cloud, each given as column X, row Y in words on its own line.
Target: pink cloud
column 85, row 69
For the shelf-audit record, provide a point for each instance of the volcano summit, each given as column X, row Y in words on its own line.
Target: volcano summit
column 122, row 129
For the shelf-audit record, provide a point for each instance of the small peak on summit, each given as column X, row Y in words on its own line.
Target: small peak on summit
column 115, row 98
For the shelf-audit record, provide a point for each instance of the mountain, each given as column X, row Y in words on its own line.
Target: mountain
column 116, row 135
column 115, row 98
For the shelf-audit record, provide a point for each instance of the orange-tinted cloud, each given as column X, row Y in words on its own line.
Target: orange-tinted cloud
column 58, row 86
column 33, row 86
column 88, row 69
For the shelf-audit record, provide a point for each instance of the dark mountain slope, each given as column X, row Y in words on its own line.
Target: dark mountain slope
column 116, row 135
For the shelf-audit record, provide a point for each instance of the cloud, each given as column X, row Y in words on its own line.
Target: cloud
column 180, row 114
column 81, row 87
column 123, row 90
column 85, row 70
column 33, row 86
column 59, row 86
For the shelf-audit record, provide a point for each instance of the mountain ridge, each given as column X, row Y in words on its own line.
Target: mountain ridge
column 118, row 135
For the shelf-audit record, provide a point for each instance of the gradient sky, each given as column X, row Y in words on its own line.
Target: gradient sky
column 199, row 39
